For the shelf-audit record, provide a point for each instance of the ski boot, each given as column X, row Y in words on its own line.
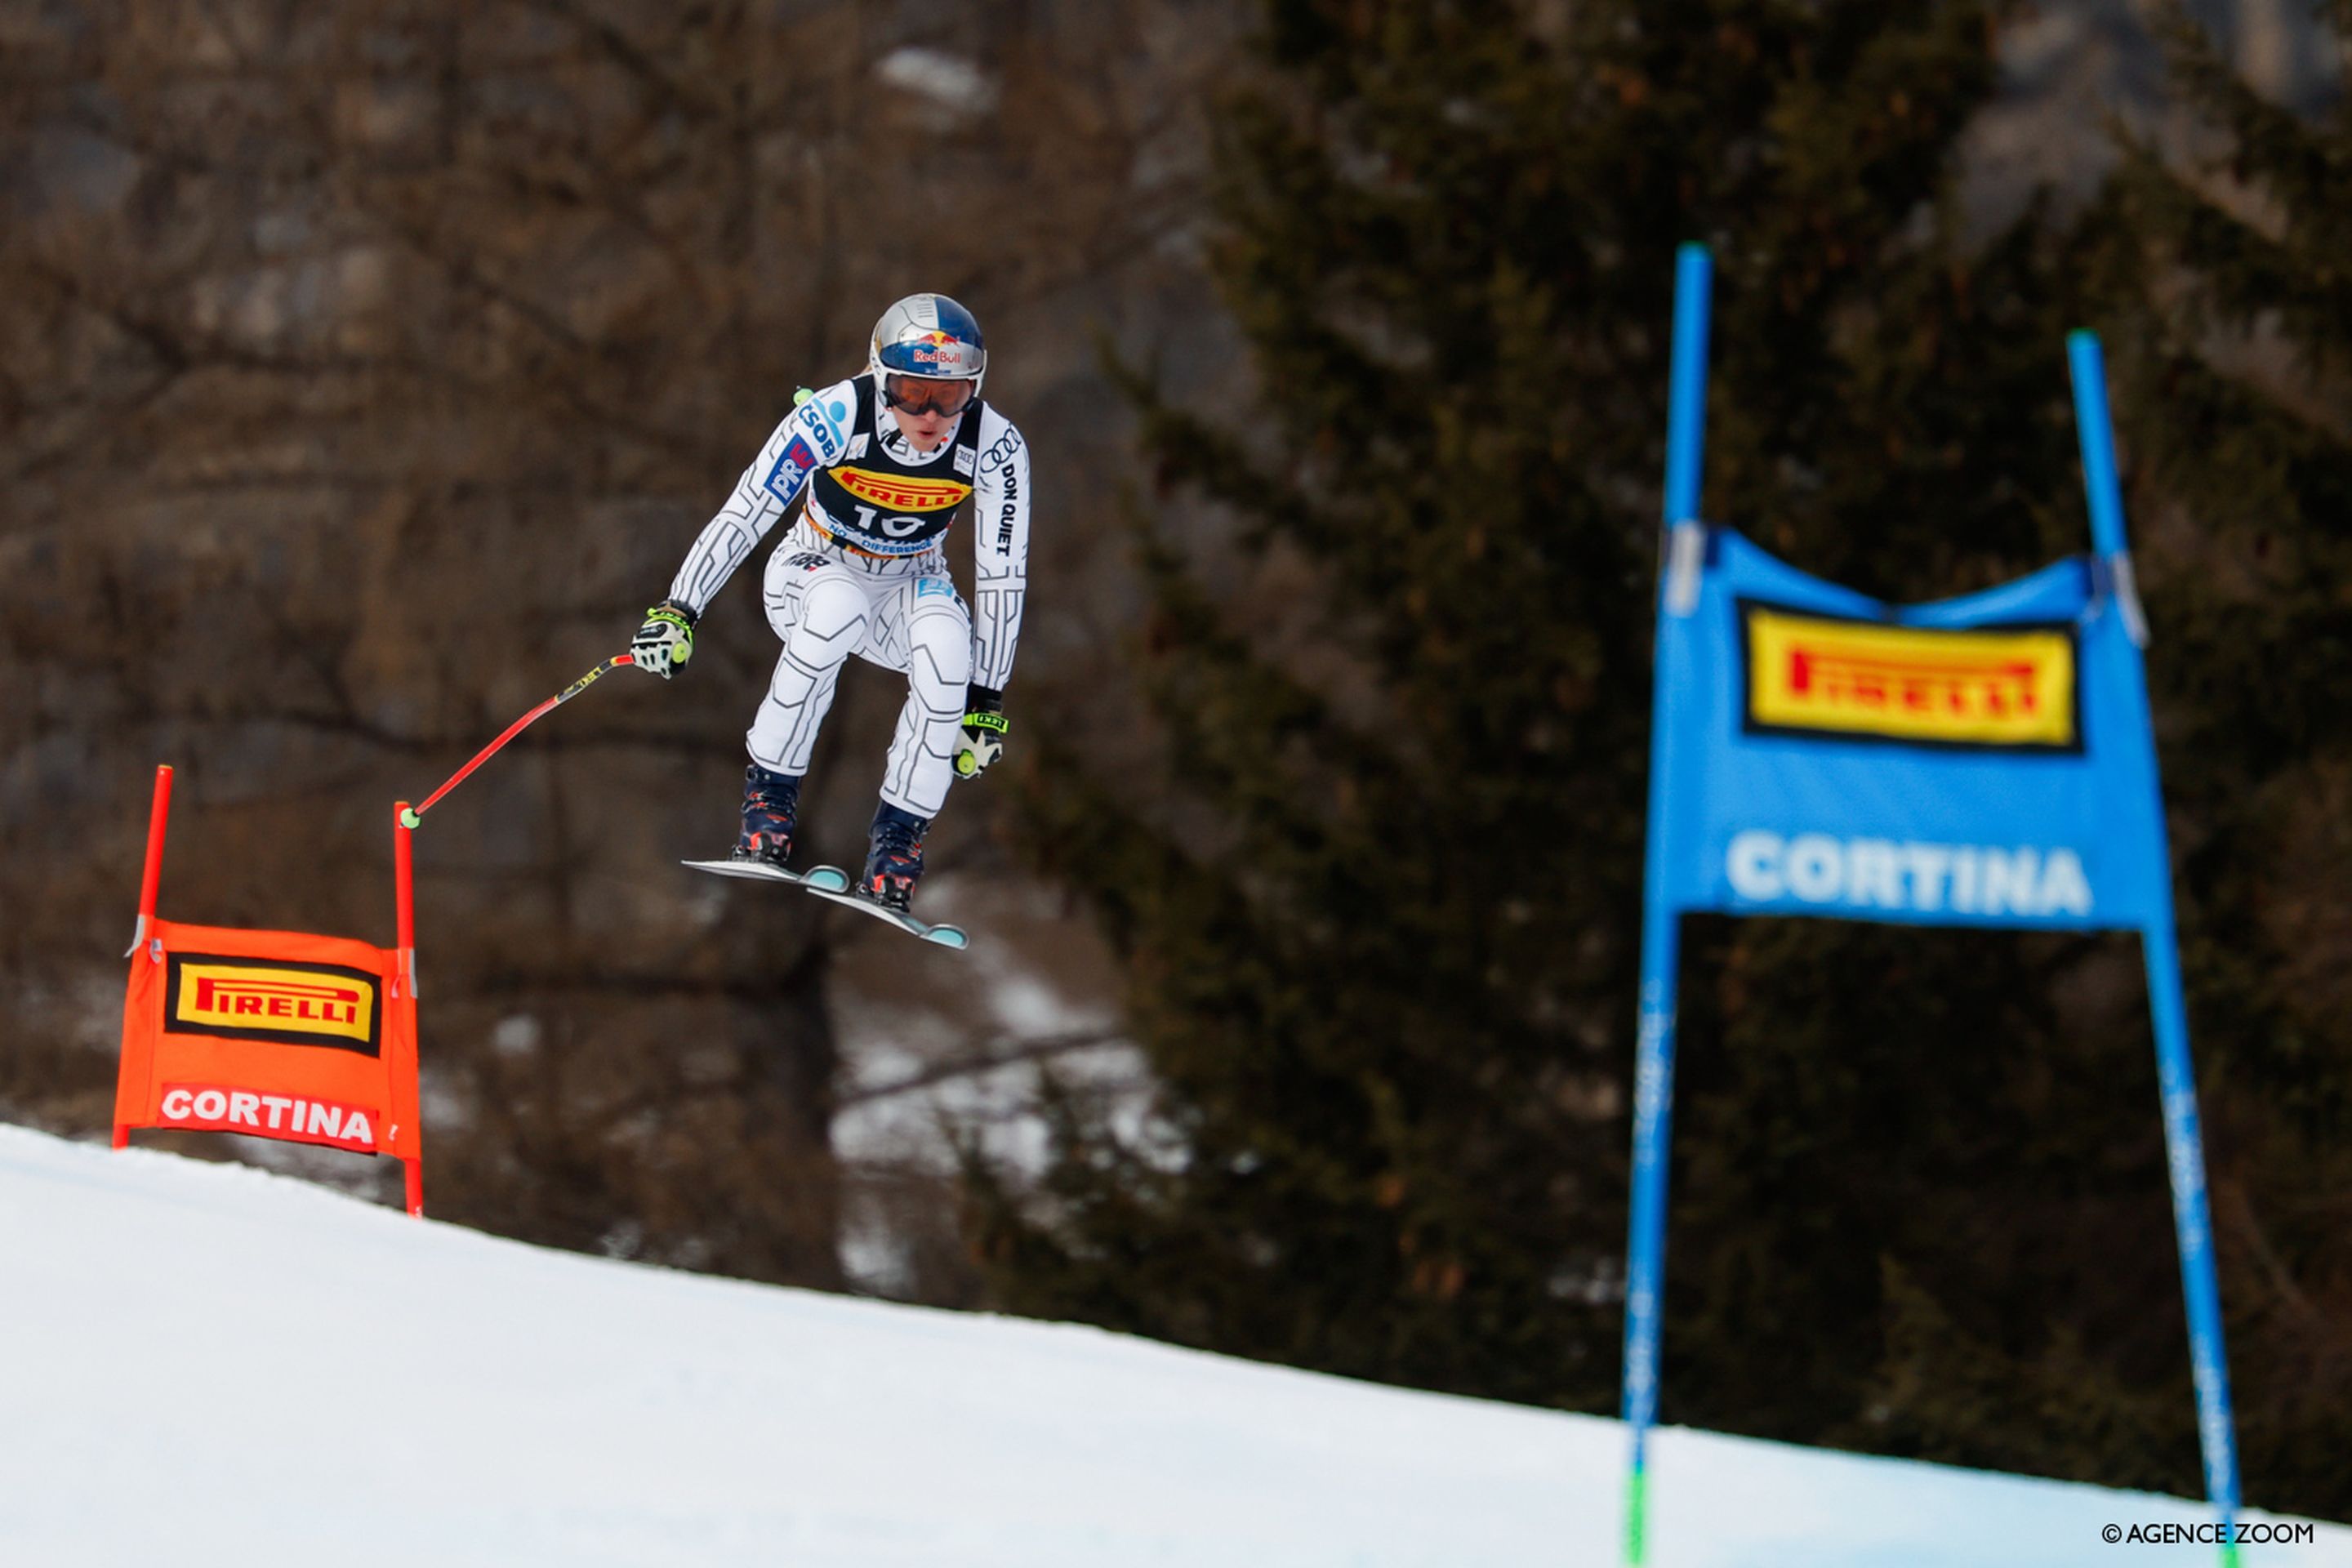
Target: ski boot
column 771, row 803
column 894, row 857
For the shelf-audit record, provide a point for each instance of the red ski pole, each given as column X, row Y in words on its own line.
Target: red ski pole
column 411, row 819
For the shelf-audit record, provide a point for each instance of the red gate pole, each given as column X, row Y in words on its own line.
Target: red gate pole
column 404, row 892
column 150, row 880
column 403, row 886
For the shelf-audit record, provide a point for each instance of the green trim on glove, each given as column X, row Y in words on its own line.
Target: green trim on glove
column 982, row 740
column 666, row 641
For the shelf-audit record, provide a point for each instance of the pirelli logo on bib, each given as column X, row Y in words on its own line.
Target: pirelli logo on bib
column 2014, row 688
column 897, row 492
column 262, row 999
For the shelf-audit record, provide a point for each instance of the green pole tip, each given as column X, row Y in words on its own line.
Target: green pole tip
column 408, row 818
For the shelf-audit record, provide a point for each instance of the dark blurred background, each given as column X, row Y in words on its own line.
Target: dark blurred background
column 366, row 368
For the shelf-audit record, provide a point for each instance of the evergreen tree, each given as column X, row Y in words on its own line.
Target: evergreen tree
column 1382, row 939
column 2231, row 318
column 2233, row 322
column 1389, row 996
column 2235, row 409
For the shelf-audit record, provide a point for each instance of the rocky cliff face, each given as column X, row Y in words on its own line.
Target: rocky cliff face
column 369, row 369
column 364, row 370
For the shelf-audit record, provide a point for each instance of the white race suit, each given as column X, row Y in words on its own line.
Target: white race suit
column 863, row 571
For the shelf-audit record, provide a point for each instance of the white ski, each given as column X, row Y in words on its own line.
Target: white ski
column 816, row 879
column 944, row 935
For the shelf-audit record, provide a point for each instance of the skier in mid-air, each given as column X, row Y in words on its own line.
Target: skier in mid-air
column 884, row 460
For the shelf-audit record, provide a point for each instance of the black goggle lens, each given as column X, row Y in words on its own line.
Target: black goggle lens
column 920, row 394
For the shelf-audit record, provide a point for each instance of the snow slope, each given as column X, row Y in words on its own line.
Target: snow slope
column 209, row 1364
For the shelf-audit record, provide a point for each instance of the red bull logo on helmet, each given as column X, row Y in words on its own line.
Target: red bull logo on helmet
column 943, row 355
column 951, row 359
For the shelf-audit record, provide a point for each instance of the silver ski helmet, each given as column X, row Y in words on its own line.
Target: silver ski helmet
column 931, row 336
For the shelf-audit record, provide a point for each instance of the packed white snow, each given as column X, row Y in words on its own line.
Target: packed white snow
column 209, row 1364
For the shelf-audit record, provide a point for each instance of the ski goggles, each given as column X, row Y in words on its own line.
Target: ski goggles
column 922, row 394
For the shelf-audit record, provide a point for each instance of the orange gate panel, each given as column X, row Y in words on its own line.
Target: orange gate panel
column 272, row 1034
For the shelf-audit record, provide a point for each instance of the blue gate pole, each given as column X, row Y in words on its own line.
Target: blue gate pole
column 1687, row 385
column 1654, row 1071
column 2175, row 1076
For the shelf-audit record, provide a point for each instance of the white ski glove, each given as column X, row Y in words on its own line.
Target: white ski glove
column 984, row 729
column 666, row 641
